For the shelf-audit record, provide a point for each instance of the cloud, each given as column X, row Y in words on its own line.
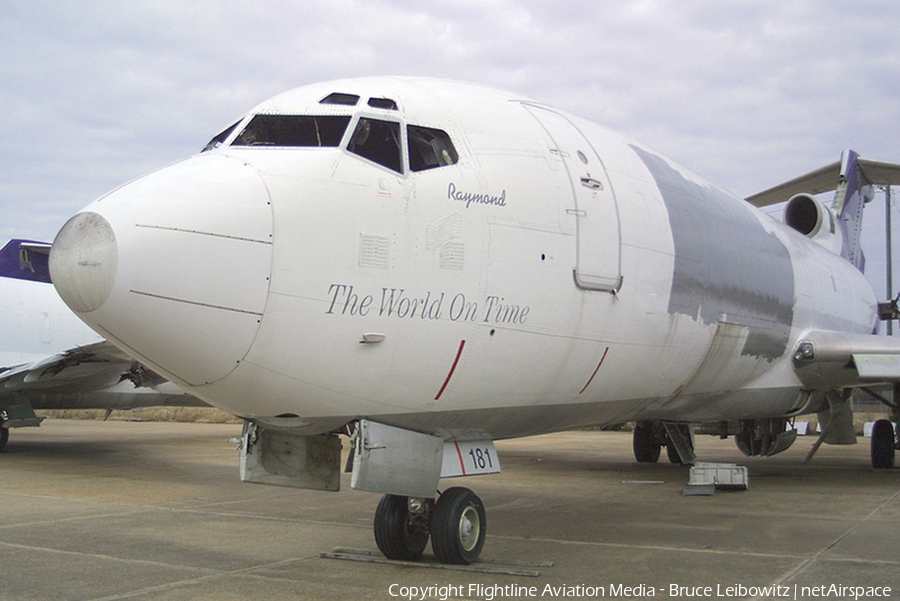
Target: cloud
column 747, row 93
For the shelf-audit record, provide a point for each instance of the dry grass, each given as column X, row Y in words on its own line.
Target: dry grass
column 210, row 415
column 202, row 415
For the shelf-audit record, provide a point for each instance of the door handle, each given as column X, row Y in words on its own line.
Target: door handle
column 593, row 184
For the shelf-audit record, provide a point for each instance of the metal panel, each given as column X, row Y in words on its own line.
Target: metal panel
column 283, row 458
column 752, row 283
column 396, row 461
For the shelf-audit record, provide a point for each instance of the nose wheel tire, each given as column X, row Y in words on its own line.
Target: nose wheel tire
column 4, row 437
column 400, row 533
column 458, row 526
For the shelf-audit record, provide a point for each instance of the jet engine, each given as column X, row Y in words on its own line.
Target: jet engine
column 814, row 220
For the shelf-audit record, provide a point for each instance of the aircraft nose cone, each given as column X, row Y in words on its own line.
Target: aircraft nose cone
column 174, row 267
column 83, row 262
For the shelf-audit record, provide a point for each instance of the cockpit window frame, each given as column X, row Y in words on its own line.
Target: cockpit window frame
column 221, row 137
column 386, row 104
column 429, row 148
column 293, row 131
column 419, row 148
column 341, row 99
column 375, row 153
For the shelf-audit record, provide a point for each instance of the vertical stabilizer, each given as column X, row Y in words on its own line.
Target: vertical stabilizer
column 850, row 197
column 852, row 179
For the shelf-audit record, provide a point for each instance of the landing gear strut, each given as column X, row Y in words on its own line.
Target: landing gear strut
column 456, row 524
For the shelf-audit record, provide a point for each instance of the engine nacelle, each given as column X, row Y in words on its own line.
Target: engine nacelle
column 814, row 220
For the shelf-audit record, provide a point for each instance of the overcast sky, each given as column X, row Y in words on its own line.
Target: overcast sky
column 746, row 93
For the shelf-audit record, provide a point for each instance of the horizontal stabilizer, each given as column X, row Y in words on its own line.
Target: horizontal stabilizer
column 826, row 179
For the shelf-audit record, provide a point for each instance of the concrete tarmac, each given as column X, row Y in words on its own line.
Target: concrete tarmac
column 136, row 510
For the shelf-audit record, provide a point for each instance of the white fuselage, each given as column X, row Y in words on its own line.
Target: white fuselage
column 555, row 275
column 35, row 323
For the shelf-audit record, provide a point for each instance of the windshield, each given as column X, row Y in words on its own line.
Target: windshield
column 429, row 148
column 293, row 130
column 219, row 139
column 374, row 139
column 378, row 141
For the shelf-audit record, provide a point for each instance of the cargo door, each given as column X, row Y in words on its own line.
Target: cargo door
column 598, row 260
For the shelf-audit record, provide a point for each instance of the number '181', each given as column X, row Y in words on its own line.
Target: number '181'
column 481, row 458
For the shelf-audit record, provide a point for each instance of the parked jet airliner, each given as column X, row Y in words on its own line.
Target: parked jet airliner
column 428, row 266
column 49, row 359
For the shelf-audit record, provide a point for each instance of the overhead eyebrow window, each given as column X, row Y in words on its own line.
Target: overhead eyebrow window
column 378, row 141
column 219, row 139
column 293, row 130
column 430, row 148
column 383, row 103
column 338, row 98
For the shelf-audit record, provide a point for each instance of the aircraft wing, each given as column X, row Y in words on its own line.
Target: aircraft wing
column 69, row 368
column 832, row 360
column 825, row 180
column 96, row 376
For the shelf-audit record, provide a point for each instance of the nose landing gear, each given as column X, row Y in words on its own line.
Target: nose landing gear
column 456, row 524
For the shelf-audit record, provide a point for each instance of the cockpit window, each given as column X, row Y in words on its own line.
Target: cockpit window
column 338, row 98
column 430, row 148
column 220, row 138
column 378, row 141
column 383, row 103
column 293, row 130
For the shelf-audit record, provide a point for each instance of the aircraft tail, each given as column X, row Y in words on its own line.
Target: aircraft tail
column 852, row 179
column 852, row 193
column 25, row 260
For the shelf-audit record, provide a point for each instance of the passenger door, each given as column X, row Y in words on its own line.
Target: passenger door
column 598, row 256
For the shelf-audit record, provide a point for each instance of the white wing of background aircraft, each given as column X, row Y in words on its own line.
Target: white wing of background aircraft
column 49, row 359
column 427, row 266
